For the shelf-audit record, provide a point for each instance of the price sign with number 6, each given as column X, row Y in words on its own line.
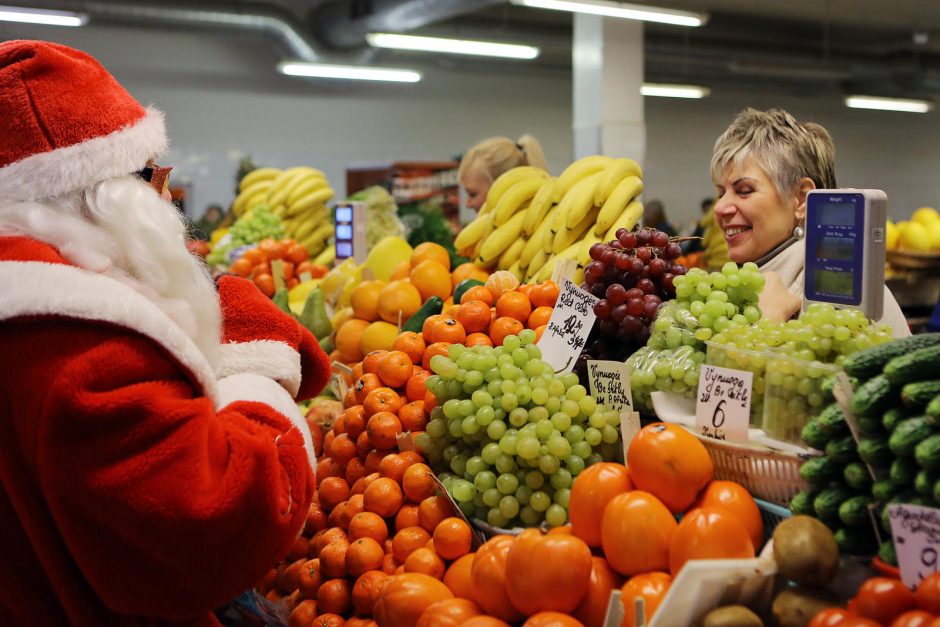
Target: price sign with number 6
column 916, row 534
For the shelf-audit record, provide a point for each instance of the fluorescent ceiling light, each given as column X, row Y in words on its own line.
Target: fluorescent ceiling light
column 42, row 16
column 806, row 71
column 451, row 46
column 619, row 9
column 674, row 91
column 888, row 104
column 351, row 72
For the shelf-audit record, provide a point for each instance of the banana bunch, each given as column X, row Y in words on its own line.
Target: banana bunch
column 531, row 220
column 298, row 196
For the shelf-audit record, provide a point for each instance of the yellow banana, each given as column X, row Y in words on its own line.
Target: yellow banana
column 310, row 201
column 304, row 186
column 627, row 220
column 571, row 252
column 515, row 198
column 511, row 255
column 279, row 210
column 536, row 265
column 625, row 191
column 314, row 241
column 485, row 209
column 284, row 183
column 306, row 226
column 577, row 171
column 257, row 175
column 279, row 181
column 509, row 178
column 327, row 257
column 474, row 231
column 568, row 236
column 541, row 203
column 535, row 241
column 258, row 198
column 516, row 271
column 501, row 239
column 582, row 199
column 618, row 170
column 584, row 254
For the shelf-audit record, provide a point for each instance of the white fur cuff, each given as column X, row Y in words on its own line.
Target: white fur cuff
column 260, row 389
column 268, row 358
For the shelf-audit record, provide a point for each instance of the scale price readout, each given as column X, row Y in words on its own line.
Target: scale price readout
column 351, row 231
column 845, row 249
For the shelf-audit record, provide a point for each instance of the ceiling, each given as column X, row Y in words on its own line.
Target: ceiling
column 800, row 47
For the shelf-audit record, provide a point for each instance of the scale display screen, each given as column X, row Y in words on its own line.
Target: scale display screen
column 834, row 282
column 350, row 231
column 835, row 248
column 837, row 214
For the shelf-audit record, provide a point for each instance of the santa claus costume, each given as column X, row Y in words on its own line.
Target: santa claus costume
column 153, row 463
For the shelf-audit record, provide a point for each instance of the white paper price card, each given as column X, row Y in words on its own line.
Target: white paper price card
column 568, row 328
column 723, row 405
column 610, row 384
column 916, row 533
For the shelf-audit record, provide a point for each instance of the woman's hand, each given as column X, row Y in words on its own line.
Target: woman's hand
column 775, row 301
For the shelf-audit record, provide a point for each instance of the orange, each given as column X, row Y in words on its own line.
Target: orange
column 452, row 538
column 393, row 466
column 513, row 305
column 365, row 299
column 438, row 348
column 332, row 492
column 398, row 301
column 448, row 331
column 364, row 385
column 355, row 470
column 502, row 281
column 368, row 525
column 539, row 317
column 503, row 327
column 370, row 362
column 333, row 559
column 383, row 429
column 432, row 251
column 363, row 555
column 468, row 271
column 417, row 483
column 363, row 444
column 432, row 511
column 310, row 578
column 383, row 497
column 389, row 564
column 367, row 589
column 478, row 338
column 474, row 315
column 381, row 399
column 544, row 294
column 539, row 332
column 304, row 614
column 413, row 457
column 348, row 338
column 415, row 389
column 412, row 344
column 401, row 271
column 432, row 279
column 478, row 292
column 342, row 449
column 395, row 368
column 407, row 541
column 335, row 596
column 407, row 516
column 412, row 416
column 428, row 325
column 426, row 562
column 354, row 420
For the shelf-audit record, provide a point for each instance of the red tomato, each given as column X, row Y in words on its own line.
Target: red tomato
column 882, row 599
column 254, row 256
column 913, row 618
column 265, row 283
column 855, row 621
column 241, row 267
column 928, row 594
column 830, row 617
column 296, row 253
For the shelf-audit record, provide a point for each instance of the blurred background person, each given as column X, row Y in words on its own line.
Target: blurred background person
column 210, row 221
column 486, row 161
column 654, row 215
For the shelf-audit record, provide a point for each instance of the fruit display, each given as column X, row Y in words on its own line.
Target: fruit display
column 298, row 196
column 631, row 275
column 886, row 601
column 919, row 234
column 257, row 263
column 381, row 215
column 252, row 227
column 531, row 220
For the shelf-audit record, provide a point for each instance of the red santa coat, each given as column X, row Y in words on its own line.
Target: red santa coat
column 136, row 488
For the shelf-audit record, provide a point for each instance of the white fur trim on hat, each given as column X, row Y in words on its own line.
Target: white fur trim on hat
column 269, row 358
column 67, row 169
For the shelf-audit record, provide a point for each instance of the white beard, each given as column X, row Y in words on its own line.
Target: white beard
column 123, row 229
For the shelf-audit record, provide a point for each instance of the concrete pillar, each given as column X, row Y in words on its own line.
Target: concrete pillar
column 607, row 57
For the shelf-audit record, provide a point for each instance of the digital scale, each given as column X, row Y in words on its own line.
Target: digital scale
column 350, row 240
column 845, row 249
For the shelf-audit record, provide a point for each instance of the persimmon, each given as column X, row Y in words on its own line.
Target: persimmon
column 415, row 388
column 332, row 492
column 407, row 516
column 449, row 613
column 592, row 490
column 474, row 315
column 488, row 574
column 383, row 497
column 432, row 511
column 547, row 572
column 452, row 538
column 406, row 597
column 539, row 317
column 551, row 619
column 513, row 305
column 412, row 416
column 448, row 331
column 457, row 577
column 738, row 501
column 407, row 541
column 593, row 607
column 366, row 591
column 334, row 596
column 425, row 561
column 381, row 399
column 670, row 463
column 383, row 428
column 366, row 384
column 412, row 344
column 708, row 533
column 363, row 555
column 652, row 587
column 636, row 529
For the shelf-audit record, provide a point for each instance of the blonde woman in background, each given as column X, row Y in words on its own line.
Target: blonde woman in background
column 484, row 162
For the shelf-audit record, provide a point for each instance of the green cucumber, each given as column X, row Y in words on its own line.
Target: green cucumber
column 832, row 422
column 917, row 395
column 924, row 482
column 893, row 417
column 814, row 436
column 870, row 425
column 907, row 497
column 927, row 453
column 843, row 450
column 933, row 408
column 916, row 365
column 875, row 451
column 873, row 397
column 463, row 286
column 856, row 541
column 936, row 491
column 820, row 470
column 827, row 386
column 869, row 362
column 857, row 476
column 826, row 504
column 903, row 472
column 431, row 307
column 854, row 511
column 907, row 435
column 802, row 502
column 883, row 490
column 887, row 554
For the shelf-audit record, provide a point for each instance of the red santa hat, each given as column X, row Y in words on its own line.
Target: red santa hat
column 66, row 123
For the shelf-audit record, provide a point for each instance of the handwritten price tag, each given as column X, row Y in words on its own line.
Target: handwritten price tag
column 568, row 328
column 916, row 532
column 610, row 384
column 723, row 405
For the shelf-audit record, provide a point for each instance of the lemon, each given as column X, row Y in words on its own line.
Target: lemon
column 926, row 215
column 891, row 236
column 914, row 237
column 386, row 255
column 933, row 232
column 341, row 316
column 378, row 336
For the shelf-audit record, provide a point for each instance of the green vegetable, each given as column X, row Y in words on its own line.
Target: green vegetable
column 832, row 421
column 933, row 408
column 927, row 453
column 917, row 395
column 887, row 553
column 854, row 511
column 857, row 476
column 924, row 482
column 873, row 397
column 916, row 365
column 883, row 490
column 814, row 436
column 802, row 503
column 870, row 426
column 463, row 286
column 820, row 470
column 842, row 450
column 903, row 472
column 827, row 386
column 431, row 307
column 893, row 418
column 874, row 451
column 869, row 362
column 908, row 435
column 828, row 501
column 858, row 541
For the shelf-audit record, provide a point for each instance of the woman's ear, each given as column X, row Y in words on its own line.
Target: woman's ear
column 804, row 187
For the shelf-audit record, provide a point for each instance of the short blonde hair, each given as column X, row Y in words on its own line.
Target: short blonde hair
column 493, row 156
column 786, row 149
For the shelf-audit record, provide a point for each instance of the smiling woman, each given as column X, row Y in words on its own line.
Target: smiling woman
column 763, row 166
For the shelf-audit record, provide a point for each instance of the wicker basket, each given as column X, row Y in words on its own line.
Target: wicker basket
column 907, row 260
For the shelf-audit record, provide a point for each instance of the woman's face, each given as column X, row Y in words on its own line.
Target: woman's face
column 751, row 214
column 476, row 185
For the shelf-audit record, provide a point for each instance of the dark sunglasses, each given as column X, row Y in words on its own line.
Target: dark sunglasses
column 157, row 176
